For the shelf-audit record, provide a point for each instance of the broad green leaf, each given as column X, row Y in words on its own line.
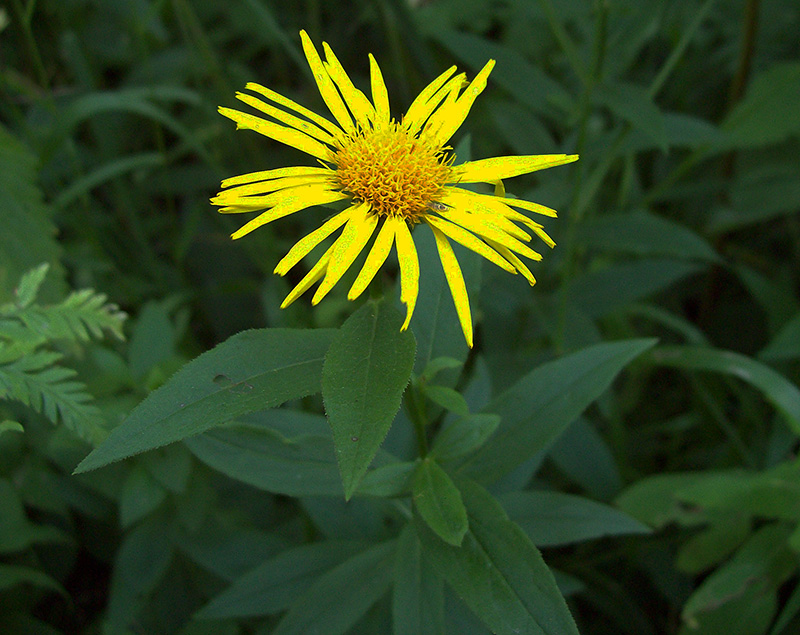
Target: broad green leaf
column 141, row 562
column 725, row 533
column 447, row 398
column 438, row 502
column 250, row 371
column 540, row 406
column 417, row 592
column 785, row 344
column 16, row 531
column 583, row 456
column 643, row 234
column 633, row 104
column 435, row 366
column 340, row 597
column 778, row 390
column 605, row 290
column 15, row 575
column 463, row 435
column 652, row 500
column 773, row 493
column 768, row 112
column 551, row 518
column 497, row 571
column 263, row 457
column 365, row 373
column 272, row 586
column 759, row 567
column 141, row 494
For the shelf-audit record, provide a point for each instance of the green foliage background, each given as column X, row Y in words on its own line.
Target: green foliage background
column 635, row 416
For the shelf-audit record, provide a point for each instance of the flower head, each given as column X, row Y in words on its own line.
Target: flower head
column 394, row 174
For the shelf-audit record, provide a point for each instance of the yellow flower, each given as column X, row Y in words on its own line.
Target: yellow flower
column 395, row 175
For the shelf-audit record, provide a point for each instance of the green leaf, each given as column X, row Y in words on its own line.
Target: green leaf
column 141, row 562
column 251, row 371
column 768, row 112
column 497, row 571
column 633, row 104
column 713, row 544
column 540, row 406
column 339, row 598
column 552, row 519
column 27, row 234
column 14, row 575
column 438, row 502
column 435, row 324
column 652, row 500
column 447, row 398
column 365, row 373
column 29, row 285
column 463, row 435
column 525, row 81
column 274, row 585
column 417, row 593
column 141, row 494
column 785, row 344
column 260, row 456
column 10, row 426
column 602, row 291
column 758, row 568
column 778, row 390
column 643, row 234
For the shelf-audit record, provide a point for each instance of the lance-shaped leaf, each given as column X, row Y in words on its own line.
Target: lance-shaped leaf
column 250, row 371
column 540, row 406
column 497, row 571
column 438, row 501
column 365, row 373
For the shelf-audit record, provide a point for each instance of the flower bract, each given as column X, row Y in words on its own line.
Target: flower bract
column 393, row 175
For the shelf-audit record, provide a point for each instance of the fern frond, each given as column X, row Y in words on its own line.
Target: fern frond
column 80, row 317
column 52, row 391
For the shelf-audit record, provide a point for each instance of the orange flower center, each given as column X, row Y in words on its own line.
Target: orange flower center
column 397, row 173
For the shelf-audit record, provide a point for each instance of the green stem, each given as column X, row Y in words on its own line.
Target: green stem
column 416, row 412
column 25, row 18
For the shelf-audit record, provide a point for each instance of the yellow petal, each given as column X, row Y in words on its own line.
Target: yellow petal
column 331, row 127
column 284, row 117
column 291, row 204
column 429, row 91
column 355, row 235
column 448, row 119
column 481, row 225
column 355, row 100
column 231, row 195
column 380, row 96
column 316, row 272
column 448, row 92
column 409, row 269
column 455, row 281
column 512, row 258
column 377, row 256
column 304, row 246
column 496, row 168
column 273, row 198
column 485, row 208
column 289, row 136
column 264, row 175
column 326, row 87
column 530, row 206
column 469, row 241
